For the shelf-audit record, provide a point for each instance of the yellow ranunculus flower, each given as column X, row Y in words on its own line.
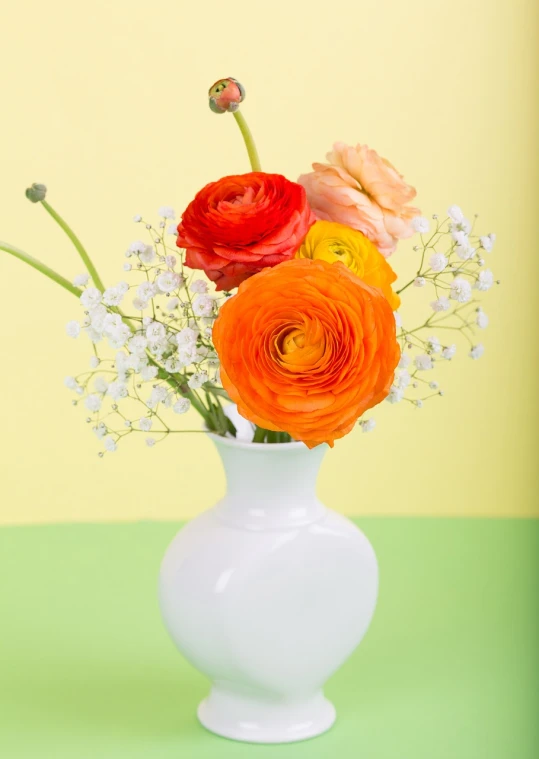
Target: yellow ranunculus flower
column 334, row 242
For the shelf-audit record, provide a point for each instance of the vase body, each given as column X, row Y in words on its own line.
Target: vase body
column 268, row 593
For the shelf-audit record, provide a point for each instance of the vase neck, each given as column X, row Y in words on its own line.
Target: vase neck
column 269, row 486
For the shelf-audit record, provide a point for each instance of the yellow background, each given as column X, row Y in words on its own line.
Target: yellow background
column 105, row 102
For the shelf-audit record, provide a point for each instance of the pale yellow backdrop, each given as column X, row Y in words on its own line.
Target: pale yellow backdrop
column 105, row 102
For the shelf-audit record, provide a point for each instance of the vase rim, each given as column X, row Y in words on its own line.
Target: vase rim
column 231, row 442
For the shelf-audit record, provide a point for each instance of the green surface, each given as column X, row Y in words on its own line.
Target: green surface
column 448, row 670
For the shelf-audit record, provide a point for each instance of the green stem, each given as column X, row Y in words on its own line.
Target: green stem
column 249, row 141
column 43, row 268
column 77, row 243
column 260, row 434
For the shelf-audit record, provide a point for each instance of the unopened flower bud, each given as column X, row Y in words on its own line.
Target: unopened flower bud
column 36, row 192
column 226, row 95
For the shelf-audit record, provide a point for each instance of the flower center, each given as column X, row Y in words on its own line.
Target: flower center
column 300, row 347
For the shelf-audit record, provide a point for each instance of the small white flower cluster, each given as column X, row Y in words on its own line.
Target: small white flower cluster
column 453, row 267
column 162, row 342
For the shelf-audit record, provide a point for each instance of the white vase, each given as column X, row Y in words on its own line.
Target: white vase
column 268, row 593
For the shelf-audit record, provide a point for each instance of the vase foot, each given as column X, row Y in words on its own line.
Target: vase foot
column 254, row 720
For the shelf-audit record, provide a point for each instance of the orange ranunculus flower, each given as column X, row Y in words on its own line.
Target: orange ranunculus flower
column 332, row 242
column 306, row 348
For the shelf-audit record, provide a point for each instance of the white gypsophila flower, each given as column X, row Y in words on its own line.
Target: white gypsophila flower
column 168, row 281
column 172, row 229
column 121, row 361
column 208, row 331
column 477, row 351
column 487, row 242
column 455, row 214
column 402, row 380
column 94, row 362
column 203, row 305
column 449, row 351
column 463, row 225
column 145, row 424
column 137, row 218
column 172, row 303
column 155, row 332
column 197, row 380
column 442, row 304
column 159, row 394
column 465, row 251
column 135, row 362
column 101, row 384
column 148, row 372
column 398, row 319
column 90, row 298
column 186, row 336
column 481, row 320
column 485, row 280
column 434, row 385
column 420, row 224
column 367, row 425
column 159, row 348
column 199, row 286
column 395, row 395
column 118, row 336
column 139, row 304
column 93, row 402
column 404, row 361
column 73, row 329
column 434, row 344
column 182, row 406
column 147, row 256
column 79, row 390
column 137, row 344
column 461, row 290
column 146, row 290
column 110, row 444
column 93, row 334
column 166, row 212
column 171, row 261
column 81, row 280
column 419, row 403
column 100, row 430
column 127, row 266
column 122, row 287
column 420, row 282
column 460, row 237
column 97, row 318
column 150, row 442
column 139, row 246
column 117, row 390
column 71, row 383
column 438, row 262
column 187, row 354
column 423, row 362
column 169, row 400
column 112, row 296
column 173, row 364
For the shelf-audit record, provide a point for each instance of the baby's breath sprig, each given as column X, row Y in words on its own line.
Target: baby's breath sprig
column 452, row 266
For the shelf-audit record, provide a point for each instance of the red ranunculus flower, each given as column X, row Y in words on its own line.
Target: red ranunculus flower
column 241, row 224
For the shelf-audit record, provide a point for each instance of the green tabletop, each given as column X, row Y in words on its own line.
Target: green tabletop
column 448, row 670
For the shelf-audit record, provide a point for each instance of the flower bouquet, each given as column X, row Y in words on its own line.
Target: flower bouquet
column 271, row 310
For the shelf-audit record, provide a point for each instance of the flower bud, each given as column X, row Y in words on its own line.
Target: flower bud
column 36, row 192
column 226, row 95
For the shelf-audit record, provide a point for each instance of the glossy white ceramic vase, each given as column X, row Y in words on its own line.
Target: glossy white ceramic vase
column 267, row 594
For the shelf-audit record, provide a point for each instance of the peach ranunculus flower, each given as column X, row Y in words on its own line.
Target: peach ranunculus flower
column 364, row 191
column 306, row 347
column 333, row 242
